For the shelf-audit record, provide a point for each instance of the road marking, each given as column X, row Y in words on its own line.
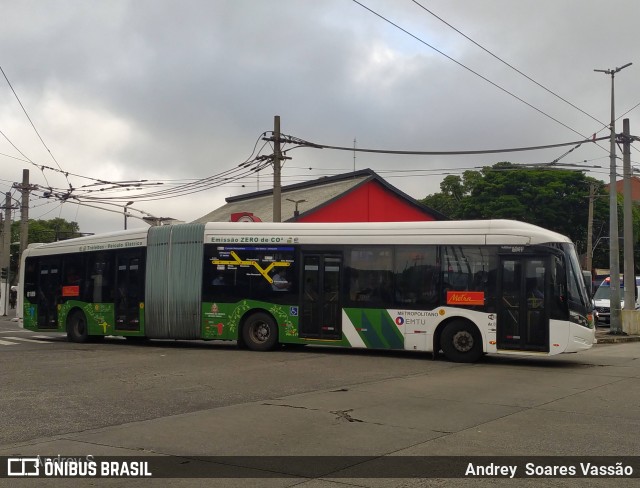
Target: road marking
column 23, row 339
column 5, row 343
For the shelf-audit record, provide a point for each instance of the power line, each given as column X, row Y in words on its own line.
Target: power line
column 303, row 143
column 509, row 65
column 26, row 160
column 31, row 122
column 604, row 125
column 182, row 188
column 468, row 69
column 247, row 167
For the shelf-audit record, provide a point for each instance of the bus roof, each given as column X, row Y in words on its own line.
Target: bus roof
column 451, row 232
column 454, row 231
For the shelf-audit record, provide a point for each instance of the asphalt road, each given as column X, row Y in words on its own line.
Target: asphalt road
column 187, row 399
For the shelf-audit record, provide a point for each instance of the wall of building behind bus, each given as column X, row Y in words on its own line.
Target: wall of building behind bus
column 370, row 202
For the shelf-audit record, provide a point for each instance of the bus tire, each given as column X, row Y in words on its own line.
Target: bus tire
column 260, row 332
column 77, row 330
column 461, row 342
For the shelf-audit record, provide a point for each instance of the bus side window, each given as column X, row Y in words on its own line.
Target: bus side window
column 101, row 277
column 30, row 279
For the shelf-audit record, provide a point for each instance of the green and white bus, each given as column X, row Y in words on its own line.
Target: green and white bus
column 465, row 288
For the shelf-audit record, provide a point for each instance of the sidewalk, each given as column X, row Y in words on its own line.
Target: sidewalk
column 11, row 316
column 604, row 336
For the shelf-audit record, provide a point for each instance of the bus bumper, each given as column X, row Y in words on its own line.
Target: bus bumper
column 580, row 338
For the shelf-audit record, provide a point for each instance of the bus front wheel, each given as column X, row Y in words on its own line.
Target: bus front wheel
column 461, row 342
column 77, row 330
column 260, row 332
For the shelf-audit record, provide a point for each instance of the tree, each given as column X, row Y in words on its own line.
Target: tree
column 553, row 198
column 47, row 230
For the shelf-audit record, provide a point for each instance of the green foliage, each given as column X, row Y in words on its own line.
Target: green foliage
column 552, row 198
column 40, row 231
column 47, row 230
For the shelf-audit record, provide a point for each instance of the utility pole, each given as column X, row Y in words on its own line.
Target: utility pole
column 629, row 273
column 589, row 260
column 614, row 246
column 6, row 235
column 354, row 154
column 277, row 189
column 25, row 188
column 5, row 262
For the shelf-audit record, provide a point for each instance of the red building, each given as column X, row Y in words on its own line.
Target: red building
column 635, row 188
column 361, row 196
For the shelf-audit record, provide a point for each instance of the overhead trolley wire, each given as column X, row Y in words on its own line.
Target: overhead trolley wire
column 509, row 65
column 603, row 124
column 249, row 166
column 96, row 195
column 304, row 143
column 468, row 69
column 32, row 124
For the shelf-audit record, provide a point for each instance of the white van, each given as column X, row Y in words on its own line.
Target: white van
column 602, row 299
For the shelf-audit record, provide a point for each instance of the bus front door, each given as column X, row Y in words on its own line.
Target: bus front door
column 320, row 314
column 523, row 311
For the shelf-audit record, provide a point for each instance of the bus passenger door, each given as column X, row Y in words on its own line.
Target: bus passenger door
column 523, row 304
column 321, row 312
column 48, row 292
column 129, row 290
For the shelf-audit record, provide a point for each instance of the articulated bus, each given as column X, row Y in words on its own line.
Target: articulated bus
column 465, row 288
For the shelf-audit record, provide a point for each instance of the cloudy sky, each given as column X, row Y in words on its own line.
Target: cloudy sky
column 173, row 92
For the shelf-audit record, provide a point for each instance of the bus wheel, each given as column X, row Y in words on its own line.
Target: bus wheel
column 77, row 327
column 461, row 342
column 260, row 332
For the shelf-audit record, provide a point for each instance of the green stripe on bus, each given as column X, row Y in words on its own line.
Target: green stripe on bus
column 376, row 328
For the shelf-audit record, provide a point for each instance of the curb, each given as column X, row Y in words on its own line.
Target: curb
column 616, row 339
column 604, row 336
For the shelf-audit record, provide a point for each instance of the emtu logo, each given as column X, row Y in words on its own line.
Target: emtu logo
column 25, row 466
column 399, row 320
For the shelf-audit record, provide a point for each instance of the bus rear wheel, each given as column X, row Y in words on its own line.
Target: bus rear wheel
column 260, row 332
column 77, row 330
column 461, row 342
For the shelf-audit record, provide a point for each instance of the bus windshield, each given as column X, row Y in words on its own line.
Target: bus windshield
column 575, row 281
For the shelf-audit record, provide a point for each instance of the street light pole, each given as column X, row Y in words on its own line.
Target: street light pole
column 614, row 247
column 126, row 214
column 627, row 222
column 296, row 213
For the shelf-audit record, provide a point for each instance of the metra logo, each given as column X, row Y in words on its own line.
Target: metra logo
column 399, row 321
column 465, row 298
